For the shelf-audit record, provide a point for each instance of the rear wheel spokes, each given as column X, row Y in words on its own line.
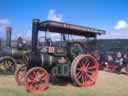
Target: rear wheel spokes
column 78, row 75
column 8, row 65
column 88, row 77
column 85, row 61
column 87, row 65
column 84, row 75
column 84, row 70
column 82, row 78
column 89, row 72
column 5, row 65
column 80, row 65
column 92, row 68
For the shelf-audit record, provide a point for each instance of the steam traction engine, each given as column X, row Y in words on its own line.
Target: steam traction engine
column 10, row 56
column 7, row 63
column 67, row 60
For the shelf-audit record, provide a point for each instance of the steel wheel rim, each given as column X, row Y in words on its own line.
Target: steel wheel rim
column 20, row 74
column 86, row 71
column 36, row 80
column 77, row 71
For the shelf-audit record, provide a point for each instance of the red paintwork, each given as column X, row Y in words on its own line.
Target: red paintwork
column 88, row 69
column 112, row 68
column 20, row 74
column 36, row 80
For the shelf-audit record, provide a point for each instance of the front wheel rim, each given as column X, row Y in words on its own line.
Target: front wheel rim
column 36, row 80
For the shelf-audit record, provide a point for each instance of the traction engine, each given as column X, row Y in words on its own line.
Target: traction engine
column 69, row 61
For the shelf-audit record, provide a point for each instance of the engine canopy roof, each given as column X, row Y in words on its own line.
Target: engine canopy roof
column 71, row 29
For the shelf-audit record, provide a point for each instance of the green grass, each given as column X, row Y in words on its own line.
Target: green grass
column 49, row 92
column 108, row 84
column 8, row 87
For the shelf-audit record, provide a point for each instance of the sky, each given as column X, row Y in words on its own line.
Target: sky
column 109, row 15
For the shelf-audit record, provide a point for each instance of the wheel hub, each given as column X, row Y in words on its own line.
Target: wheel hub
column 83, row 68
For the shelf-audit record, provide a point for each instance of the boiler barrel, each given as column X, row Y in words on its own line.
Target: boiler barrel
column 12, row 52
column 18, row 53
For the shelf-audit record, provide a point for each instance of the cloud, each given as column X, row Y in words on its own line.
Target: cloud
column 52, row 15
column 2, row 27
column 121, row 24
column 4, row 21
column 120, row 31
column 123, row 34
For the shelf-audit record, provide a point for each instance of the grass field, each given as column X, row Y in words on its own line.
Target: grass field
column 108, row 84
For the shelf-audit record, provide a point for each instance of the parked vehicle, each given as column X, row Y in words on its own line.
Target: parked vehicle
column 68, row 59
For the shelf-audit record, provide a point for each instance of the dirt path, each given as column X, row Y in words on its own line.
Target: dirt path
column 110, row 84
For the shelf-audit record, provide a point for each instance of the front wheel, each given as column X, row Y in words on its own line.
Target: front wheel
column 36, row 80
column 84, row 70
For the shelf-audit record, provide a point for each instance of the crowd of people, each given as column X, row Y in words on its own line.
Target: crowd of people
column 117, row 58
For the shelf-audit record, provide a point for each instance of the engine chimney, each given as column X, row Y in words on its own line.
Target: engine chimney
column 8, row 36
column 35, row 23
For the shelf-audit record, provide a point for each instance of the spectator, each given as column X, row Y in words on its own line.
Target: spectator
column 103, row 58
column 119, row 61
column 125, row 61
column 110, row 58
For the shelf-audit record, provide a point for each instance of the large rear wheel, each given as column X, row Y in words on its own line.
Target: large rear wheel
column 36, row 79
column 7, row 65
column 84, row 70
